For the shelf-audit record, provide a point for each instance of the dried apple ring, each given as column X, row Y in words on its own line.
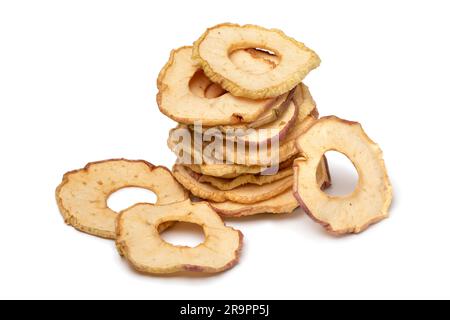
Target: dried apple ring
column 370, row 201
column 177, row 101
column 82, row 196
column 212, row 52
column 139, row 241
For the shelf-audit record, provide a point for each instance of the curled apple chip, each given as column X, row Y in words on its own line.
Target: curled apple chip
column 139, row 240
column 370, row 201
column 177, row 101
column 224, row 171
column 212, row 52
column 231, row 171
column 82, row 196
column 259, row 180
column 265, row 55
column 247, row 194
column 283, row 203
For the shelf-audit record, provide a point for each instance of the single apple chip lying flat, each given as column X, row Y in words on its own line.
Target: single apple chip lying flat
column 139, row 240
column 371, row 200
column 82, row 196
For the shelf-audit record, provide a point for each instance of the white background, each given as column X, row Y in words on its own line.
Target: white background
column 77, row 84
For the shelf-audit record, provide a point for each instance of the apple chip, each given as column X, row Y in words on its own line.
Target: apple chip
column 276, row 128
column 139, row 240
column 177, row 101
column 231, row 171
column 214, row 91
column 277, row 110
column 306, row 117
column 212, row 52
column 247, row 194
column 283, row 203
column 259, row 180
column 82, row 196
column 187, row 152
column 265, row 55
column 253, row 62
column 199, row 84
column 224, row 171
column 370, row 201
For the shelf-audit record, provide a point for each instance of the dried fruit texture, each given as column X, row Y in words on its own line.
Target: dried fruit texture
column 199, row 84
column 259, row 180
column 247, row 194
column 283, row 203
column 82, row 196
column 214, row 91
column 371, row 200
column 225, row 171
column 305, row 102
column 287, row 149
column 274, row 114
column 231, row 171
column 277, row 129
column 212, row 52
column 302, row 98
column 139, row 241
column 323, row 175
column 251, row 157
column 265, row 55
column 177, row 101
column 278, row 108
column 307, row 116
column 253, row 61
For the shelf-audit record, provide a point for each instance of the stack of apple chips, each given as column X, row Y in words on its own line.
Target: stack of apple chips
column 234, row 152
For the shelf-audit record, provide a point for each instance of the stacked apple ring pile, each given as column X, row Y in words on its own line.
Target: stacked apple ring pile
column 249, row 141
column 239, row 89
